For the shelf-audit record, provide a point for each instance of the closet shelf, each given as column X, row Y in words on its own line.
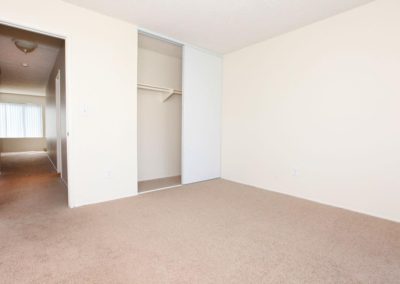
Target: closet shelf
column 166, row 93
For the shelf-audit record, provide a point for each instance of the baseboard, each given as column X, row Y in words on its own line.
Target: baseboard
column 102, row 200
column 51, row 162
column 317, row 201
column 59, row 174
column 162, row 188
column 156, row 178
column 200, row 181
column 64, row 181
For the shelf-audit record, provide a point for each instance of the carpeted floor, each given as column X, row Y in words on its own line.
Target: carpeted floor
column 210, row 232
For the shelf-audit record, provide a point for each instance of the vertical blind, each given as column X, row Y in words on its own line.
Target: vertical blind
column 20, row 120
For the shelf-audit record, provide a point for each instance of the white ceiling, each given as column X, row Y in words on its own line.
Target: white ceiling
column 32, row 80
column 220, row 25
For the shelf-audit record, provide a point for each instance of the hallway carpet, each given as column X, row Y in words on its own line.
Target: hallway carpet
column 210, row 232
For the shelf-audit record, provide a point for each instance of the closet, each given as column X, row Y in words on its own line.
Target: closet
column 159, row 113
column 179, row 113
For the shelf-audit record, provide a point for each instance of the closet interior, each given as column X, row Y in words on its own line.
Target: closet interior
column 159, row 113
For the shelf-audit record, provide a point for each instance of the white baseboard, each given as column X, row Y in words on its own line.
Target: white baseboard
column 102, row 200
column 315, row 200
column 48, row 156
column 55, row 168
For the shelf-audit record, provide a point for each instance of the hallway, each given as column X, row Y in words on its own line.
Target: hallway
column 29, row 181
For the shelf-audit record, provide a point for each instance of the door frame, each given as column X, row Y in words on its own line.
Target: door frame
column 64, row 37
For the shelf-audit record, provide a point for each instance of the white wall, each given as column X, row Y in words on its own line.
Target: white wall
column 160, row 68
column 101, row 62
column 315, row 113
column 24, row 144
column 159, row 123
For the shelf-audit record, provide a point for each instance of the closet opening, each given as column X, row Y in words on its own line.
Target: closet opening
column 159, row 113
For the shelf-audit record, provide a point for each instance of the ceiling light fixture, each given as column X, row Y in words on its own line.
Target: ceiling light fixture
column 24, row 64
column 25, row 46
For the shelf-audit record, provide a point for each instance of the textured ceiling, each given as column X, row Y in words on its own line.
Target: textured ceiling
column 32, row 80
column 222, row 25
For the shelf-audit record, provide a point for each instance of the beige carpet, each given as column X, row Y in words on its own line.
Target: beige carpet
column 210, row 232
column 153, row 184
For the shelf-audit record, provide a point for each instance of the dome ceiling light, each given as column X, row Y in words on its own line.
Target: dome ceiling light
column 25, row 46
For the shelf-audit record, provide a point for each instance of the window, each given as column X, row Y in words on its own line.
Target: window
column 20, row 120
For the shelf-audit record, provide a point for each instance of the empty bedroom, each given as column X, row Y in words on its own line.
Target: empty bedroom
column 193, row 141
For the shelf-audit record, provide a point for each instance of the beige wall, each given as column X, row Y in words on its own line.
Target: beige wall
column 101, row 63
column 1, row 151
column 159, row 123
column 160, row 68
column 24, row 144
column 51, row 118
column 315, row 113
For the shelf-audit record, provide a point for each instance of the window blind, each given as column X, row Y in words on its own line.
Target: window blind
column 21, row 120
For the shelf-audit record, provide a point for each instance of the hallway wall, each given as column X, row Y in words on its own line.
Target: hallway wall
column 51, row 118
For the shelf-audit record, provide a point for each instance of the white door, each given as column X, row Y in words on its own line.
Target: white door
column 201, row 115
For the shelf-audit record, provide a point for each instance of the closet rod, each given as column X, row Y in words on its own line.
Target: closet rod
column 158, row 89
column 166, row 92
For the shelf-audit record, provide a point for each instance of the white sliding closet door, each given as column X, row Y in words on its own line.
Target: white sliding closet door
column 201, row 115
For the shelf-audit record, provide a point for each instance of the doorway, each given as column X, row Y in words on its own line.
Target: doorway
column 33, row 102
